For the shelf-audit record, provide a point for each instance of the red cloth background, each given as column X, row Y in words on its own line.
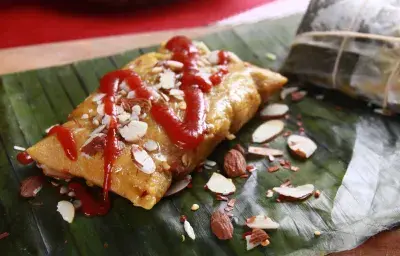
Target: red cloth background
column 35, row 21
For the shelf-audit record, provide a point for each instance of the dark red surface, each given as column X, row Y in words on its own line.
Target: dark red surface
column 26, row 22
column 24, row 158
column 90, row 206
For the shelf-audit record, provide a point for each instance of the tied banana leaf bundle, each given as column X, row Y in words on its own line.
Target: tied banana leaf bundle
column 354, row 47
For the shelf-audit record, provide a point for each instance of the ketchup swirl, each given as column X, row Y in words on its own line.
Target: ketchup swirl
column 90, row 206
column 66, row 138
column 24, row 158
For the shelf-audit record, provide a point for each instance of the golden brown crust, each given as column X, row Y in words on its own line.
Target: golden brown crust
column 229, row 106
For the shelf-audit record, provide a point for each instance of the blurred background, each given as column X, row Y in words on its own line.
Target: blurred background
column 28, row 22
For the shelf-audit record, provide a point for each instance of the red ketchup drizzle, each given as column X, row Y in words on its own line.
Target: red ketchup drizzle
column 223, row 58
column 66, row 138
column 24, row 158
column 90, row 206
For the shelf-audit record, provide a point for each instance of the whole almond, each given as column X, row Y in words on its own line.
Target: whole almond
column 31, row 186
column 221, row 225
column 258, row 236
column 234, row 163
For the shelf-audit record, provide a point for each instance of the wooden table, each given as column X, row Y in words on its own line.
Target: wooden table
column 46, row 55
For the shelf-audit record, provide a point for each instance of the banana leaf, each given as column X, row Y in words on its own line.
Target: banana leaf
column 355, row 167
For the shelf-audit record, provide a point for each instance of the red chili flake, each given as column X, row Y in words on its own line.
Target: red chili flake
column 278, row 200
column 244, row 176
column 205, row 187
column 294, row 168
column 4, row 235
column 228, row 209
column 301, row 129
column 221, row 198
column 182, row 218
column 299, row 117
column 282, row 162
column 273, row 168
column 248, row 233
column 190, row 185
column 231, row 202
column 105, row 245
column 286, row 134
column 299, row 123
column 229, row 214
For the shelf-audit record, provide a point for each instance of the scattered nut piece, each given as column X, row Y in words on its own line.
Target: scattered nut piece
column 262, row 222
column 267, row 131
column 19, row 148
column 234, row 163
column 195, row 207
column 150, row 145
column 67, row 210
column 301, row 146
column 166, row 166
column 157, row 70
column 286, row 91
column 174, row 65
column 63, row 190
column 231, row 202
column 178, row 186
column 258, row 236
column 31, row 186
column 300, row 192
column 317, row 193
column 230, row 136
column 270, row 193
column 317, row 233
column 273, row 168
column 239, row 148
column 221, row 225
column 274, row 110
column 294, row 168
column 143, row 160
column 265, row 151
column 85, row 116
column 189, row 230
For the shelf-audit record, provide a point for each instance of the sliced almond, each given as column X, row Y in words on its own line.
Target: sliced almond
column 268, row 131
column 179, row 185
column 189, row 230
column 221, row 185
column 300, row 192
column 97, row 130
column 274, row 110
column 150, row 145
column 286, row 91
column 67, row 210
column 174, row 65
column 98, row 97
column 100, row 109
column 124, row 117
column 85, row 116
column 301, row 146
column 167, row 79
column 18, row 148
column 177, row 94
column 262, row 222
column 213, row 57
column 133, row 131
column 209, row 163
column 264, row 151
column 143, row 160
column 250, row 245
column 270, row 193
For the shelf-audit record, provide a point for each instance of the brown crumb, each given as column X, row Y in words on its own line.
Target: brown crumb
column 273, row 168
column 317, row 193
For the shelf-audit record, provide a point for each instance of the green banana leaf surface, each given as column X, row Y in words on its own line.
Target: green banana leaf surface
column 356, row 167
